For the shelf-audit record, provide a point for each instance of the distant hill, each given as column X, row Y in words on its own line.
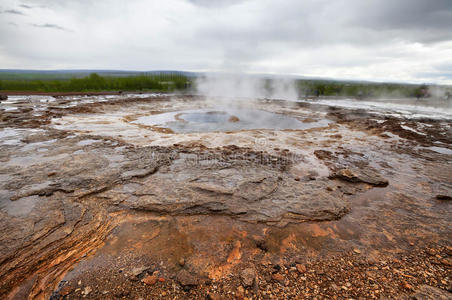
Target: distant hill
column 29, row 74
column 19, row 74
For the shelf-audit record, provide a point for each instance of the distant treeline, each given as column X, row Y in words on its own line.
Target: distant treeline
column 94, row 82
column 309, row 88
column 167, row 81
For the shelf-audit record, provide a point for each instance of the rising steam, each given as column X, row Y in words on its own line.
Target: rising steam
column 241, row 87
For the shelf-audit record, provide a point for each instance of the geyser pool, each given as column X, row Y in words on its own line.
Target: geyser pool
column 207, row 120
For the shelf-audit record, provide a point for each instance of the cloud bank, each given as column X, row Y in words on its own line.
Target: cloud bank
column 382, row 40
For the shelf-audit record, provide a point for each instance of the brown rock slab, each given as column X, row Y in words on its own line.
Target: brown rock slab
column 368, row 176
column 248, row 192
column 426, row 292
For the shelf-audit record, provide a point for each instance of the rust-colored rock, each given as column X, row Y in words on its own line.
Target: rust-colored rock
column 278, row 277
column 150, row 279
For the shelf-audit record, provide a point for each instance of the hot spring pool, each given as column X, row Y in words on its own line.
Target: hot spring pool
column 207, row 120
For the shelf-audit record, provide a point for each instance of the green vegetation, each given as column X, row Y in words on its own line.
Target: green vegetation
column 63, row 75
column 169, row 81
column 164, row 82
column 356, row 89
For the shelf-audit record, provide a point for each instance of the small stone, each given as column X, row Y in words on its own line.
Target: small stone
column 240, row 292
column 447, row 261
column 357, row 251
column 449, row 250
column 247, row 276
column 278, row 277
column 182, row 262
column 65, row 290
column 407, row 286
column 234, row 119
column 150, row 280
column 301, row 268
column 87, row 290
column 430, row 251
column 214, row 296
column 186, row 279
column 137, row 271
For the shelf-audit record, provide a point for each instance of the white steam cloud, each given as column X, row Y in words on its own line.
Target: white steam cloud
column 240, row 87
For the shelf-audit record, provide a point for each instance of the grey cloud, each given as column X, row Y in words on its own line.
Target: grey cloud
column 366, row 39
column 25, row 6
column 14, row 12
column 415, row 20
column 215, row 3
column 405, row 13
column 310, row 24
column 51, row 26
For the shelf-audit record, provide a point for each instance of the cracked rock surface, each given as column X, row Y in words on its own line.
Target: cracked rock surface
column 92, row 204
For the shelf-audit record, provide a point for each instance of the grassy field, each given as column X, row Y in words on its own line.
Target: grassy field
column 165, row 82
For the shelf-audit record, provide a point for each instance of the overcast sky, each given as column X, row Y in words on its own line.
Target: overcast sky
column 382, row 40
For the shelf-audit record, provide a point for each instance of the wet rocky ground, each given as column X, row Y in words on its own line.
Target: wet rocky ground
column 96, row 205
